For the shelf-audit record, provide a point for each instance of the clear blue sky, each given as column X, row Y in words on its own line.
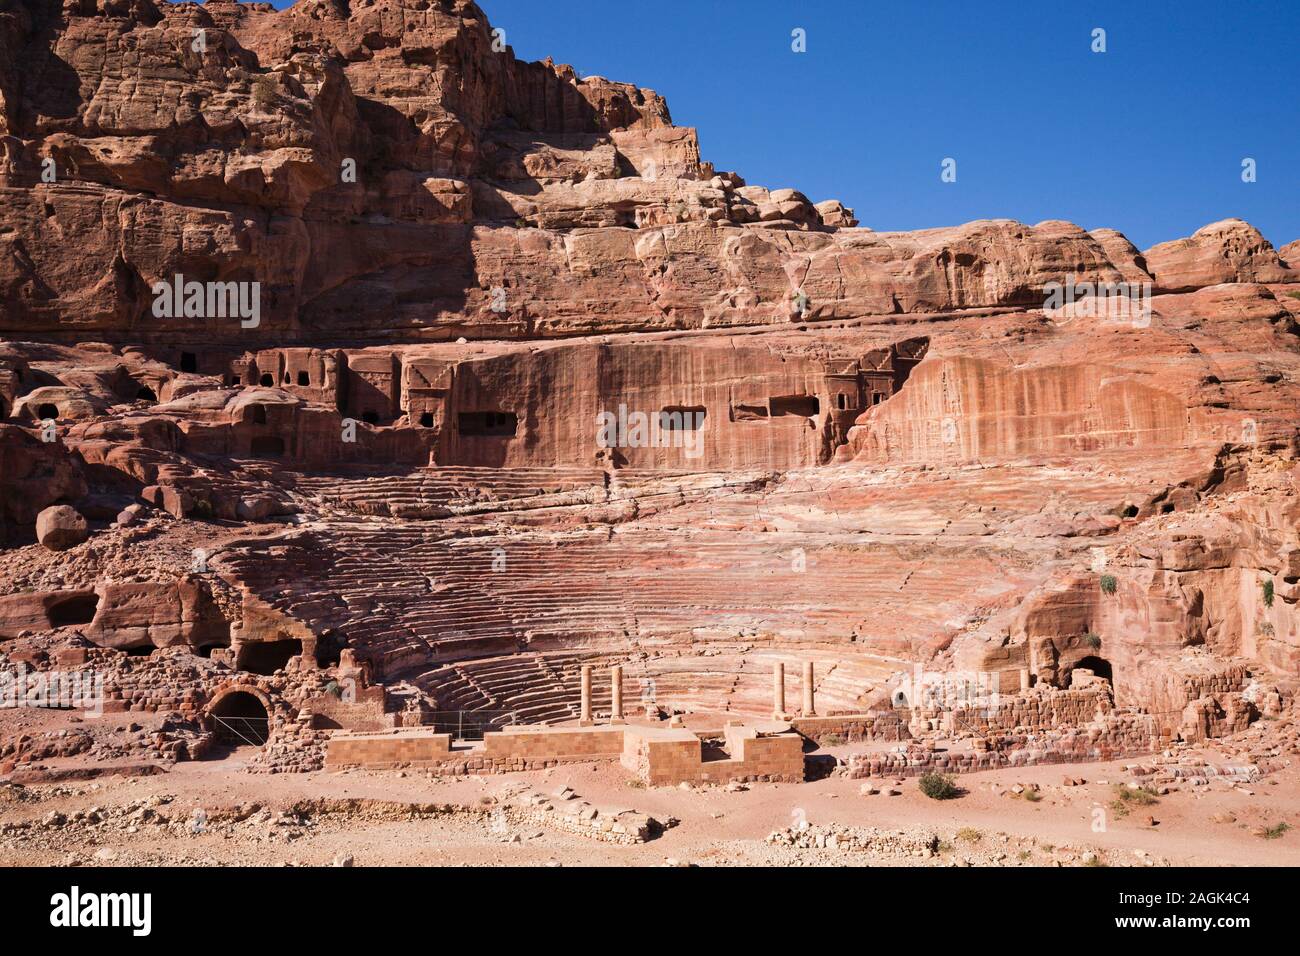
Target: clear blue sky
column 1147, row 138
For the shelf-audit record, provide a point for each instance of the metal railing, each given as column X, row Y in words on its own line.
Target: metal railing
column 248, row 730
column 468, row 724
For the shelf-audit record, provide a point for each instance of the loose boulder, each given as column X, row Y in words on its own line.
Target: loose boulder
column 61, row 527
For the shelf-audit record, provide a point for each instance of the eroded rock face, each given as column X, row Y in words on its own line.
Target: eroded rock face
column 35, row 474
column 383, row 172
column 1227, row 251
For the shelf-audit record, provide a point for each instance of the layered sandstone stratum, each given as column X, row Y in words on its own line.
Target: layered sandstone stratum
column 376, row 490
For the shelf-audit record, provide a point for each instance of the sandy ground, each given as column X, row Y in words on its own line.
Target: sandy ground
column 151, row 820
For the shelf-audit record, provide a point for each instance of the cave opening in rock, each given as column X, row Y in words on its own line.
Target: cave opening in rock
column 268, row 379
column 1098, row 666
column 189, row 362
column 239, row 719
column 426, row 420
column 304, row 379
column 4, row 407
column 804, row 406
column 73, row 611
column 140, row 650
column 267, row 446
column 146, row 394
column 748, row 412
column 680, row 418
column 488, row 424
column 47, row 410
column 329, row 649
column 267, row 657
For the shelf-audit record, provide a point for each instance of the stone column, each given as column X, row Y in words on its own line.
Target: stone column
column 1024, row 678
column 586, row 694
column 808, row 709
column 778, row 689
column 616, row 692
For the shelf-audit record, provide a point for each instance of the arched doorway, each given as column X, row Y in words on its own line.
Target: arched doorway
column 240, row 719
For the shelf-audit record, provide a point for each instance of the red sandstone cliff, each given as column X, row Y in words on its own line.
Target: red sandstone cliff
column 380, row 169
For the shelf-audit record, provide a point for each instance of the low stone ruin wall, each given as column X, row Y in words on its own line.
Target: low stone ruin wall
column 895, row 843
column 511, row 749
column 292, row 747
column 852, row 728
column 1038, row 710
column 1115, row 736
column 661, row 756
column 667, row 756
column 570, row 814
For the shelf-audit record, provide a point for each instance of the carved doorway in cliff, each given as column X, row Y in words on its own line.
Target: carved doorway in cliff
column 240, row 720
column 1099, row 666
column 267, row 657
column 75, row 610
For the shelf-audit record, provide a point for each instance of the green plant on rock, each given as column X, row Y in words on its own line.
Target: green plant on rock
column 1109, row 584
column 1268, row 592
column 1093, row 641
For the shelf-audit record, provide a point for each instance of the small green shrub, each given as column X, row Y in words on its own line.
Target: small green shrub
column 1109, row 584
column 264, row 92
column 1093, row 641
column 1268, row 592
column 938, row 786
column 970, row 835
column 1126, row 798
column 1275, row 832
